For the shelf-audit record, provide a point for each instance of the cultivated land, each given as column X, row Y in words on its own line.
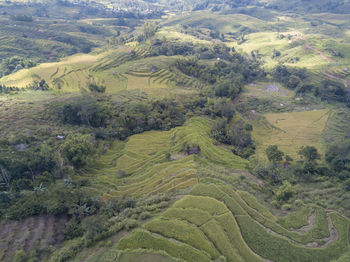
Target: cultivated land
column 290, row 131
column 202, row 206
column 223, row 222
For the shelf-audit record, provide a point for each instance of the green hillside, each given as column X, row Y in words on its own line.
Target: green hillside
column 173, row 131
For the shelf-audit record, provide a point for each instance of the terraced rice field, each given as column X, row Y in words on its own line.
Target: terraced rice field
column 215, row 221
column 144, row 81
column 290, row 131
column 75, row 72
column 154, row 162
column 337, row 126
column 50, row 71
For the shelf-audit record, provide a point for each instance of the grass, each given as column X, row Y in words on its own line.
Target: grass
column 145, row 240
column 209, row 205
column 144, row 256
column 279, row 249
column 320, row 229
column 65, row 70
column 266, row 90
column 296, row 219
column 337, row 126
column 217, row 235
column 253, row 203
column 193, row 215
column 184, row 232
column 229, row 225
column 213, row 220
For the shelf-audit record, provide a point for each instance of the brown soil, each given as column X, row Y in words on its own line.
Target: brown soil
column 29, row 233
column 311, row 222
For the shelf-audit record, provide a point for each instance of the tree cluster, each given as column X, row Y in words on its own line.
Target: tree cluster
column 236, row 133
column 15, row 63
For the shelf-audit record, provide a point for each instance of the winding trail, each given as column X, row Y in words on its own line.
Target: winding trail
column 334, row 62
column 311, row 222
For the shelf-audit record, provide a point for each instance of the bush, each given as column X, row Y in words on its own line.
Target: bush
column 76, row 149
column 96, row 88
column 131, row 223
column 238, row 135
column 121, row 173
column 15, row 63
column 22, row 184
column 274, row 154
column 20, row 256
column 299, row 203
column 73, row 230
column 94, row 226
column 286, row 207
column 145, row 215
column 309, row 153
column 285, row 192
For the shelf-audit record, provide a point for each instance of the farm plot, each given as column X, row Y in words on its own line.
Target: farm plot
column 290, row 131
column 219, row 221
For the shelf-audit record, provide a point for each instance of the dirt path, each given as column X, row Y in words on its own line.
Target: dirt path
column 311, row 222
column 333, row 234
column 322, row 54
column 328, row 59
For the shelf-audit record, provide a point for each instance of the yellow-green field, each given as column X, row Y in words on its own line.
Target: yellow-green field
column 215, row 221
column 290, row 131
column 154, row 162
column 118, row 70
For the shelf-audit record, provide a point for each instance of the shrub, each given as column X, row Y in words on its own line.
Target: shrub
column 76, row 149
column 309, row 153
column 73, row 230
column 96, row 88
column 274, row 154
column 285, row 192
column 93, row 226
column 130, row 224
column 22, row 184
column 121, row 173
column 299, row 203
column 145, row 215
column 286, row 207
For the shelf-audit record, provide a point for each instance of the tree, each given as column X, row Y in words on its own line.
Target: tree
column 149, row 29
column 285, row 192
column 338, row 157
column 274, row 154
column 93, row 226
column 276, row 53
column 77, row 148
column 96, row 88
column 309, row 153
column 293, row 82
